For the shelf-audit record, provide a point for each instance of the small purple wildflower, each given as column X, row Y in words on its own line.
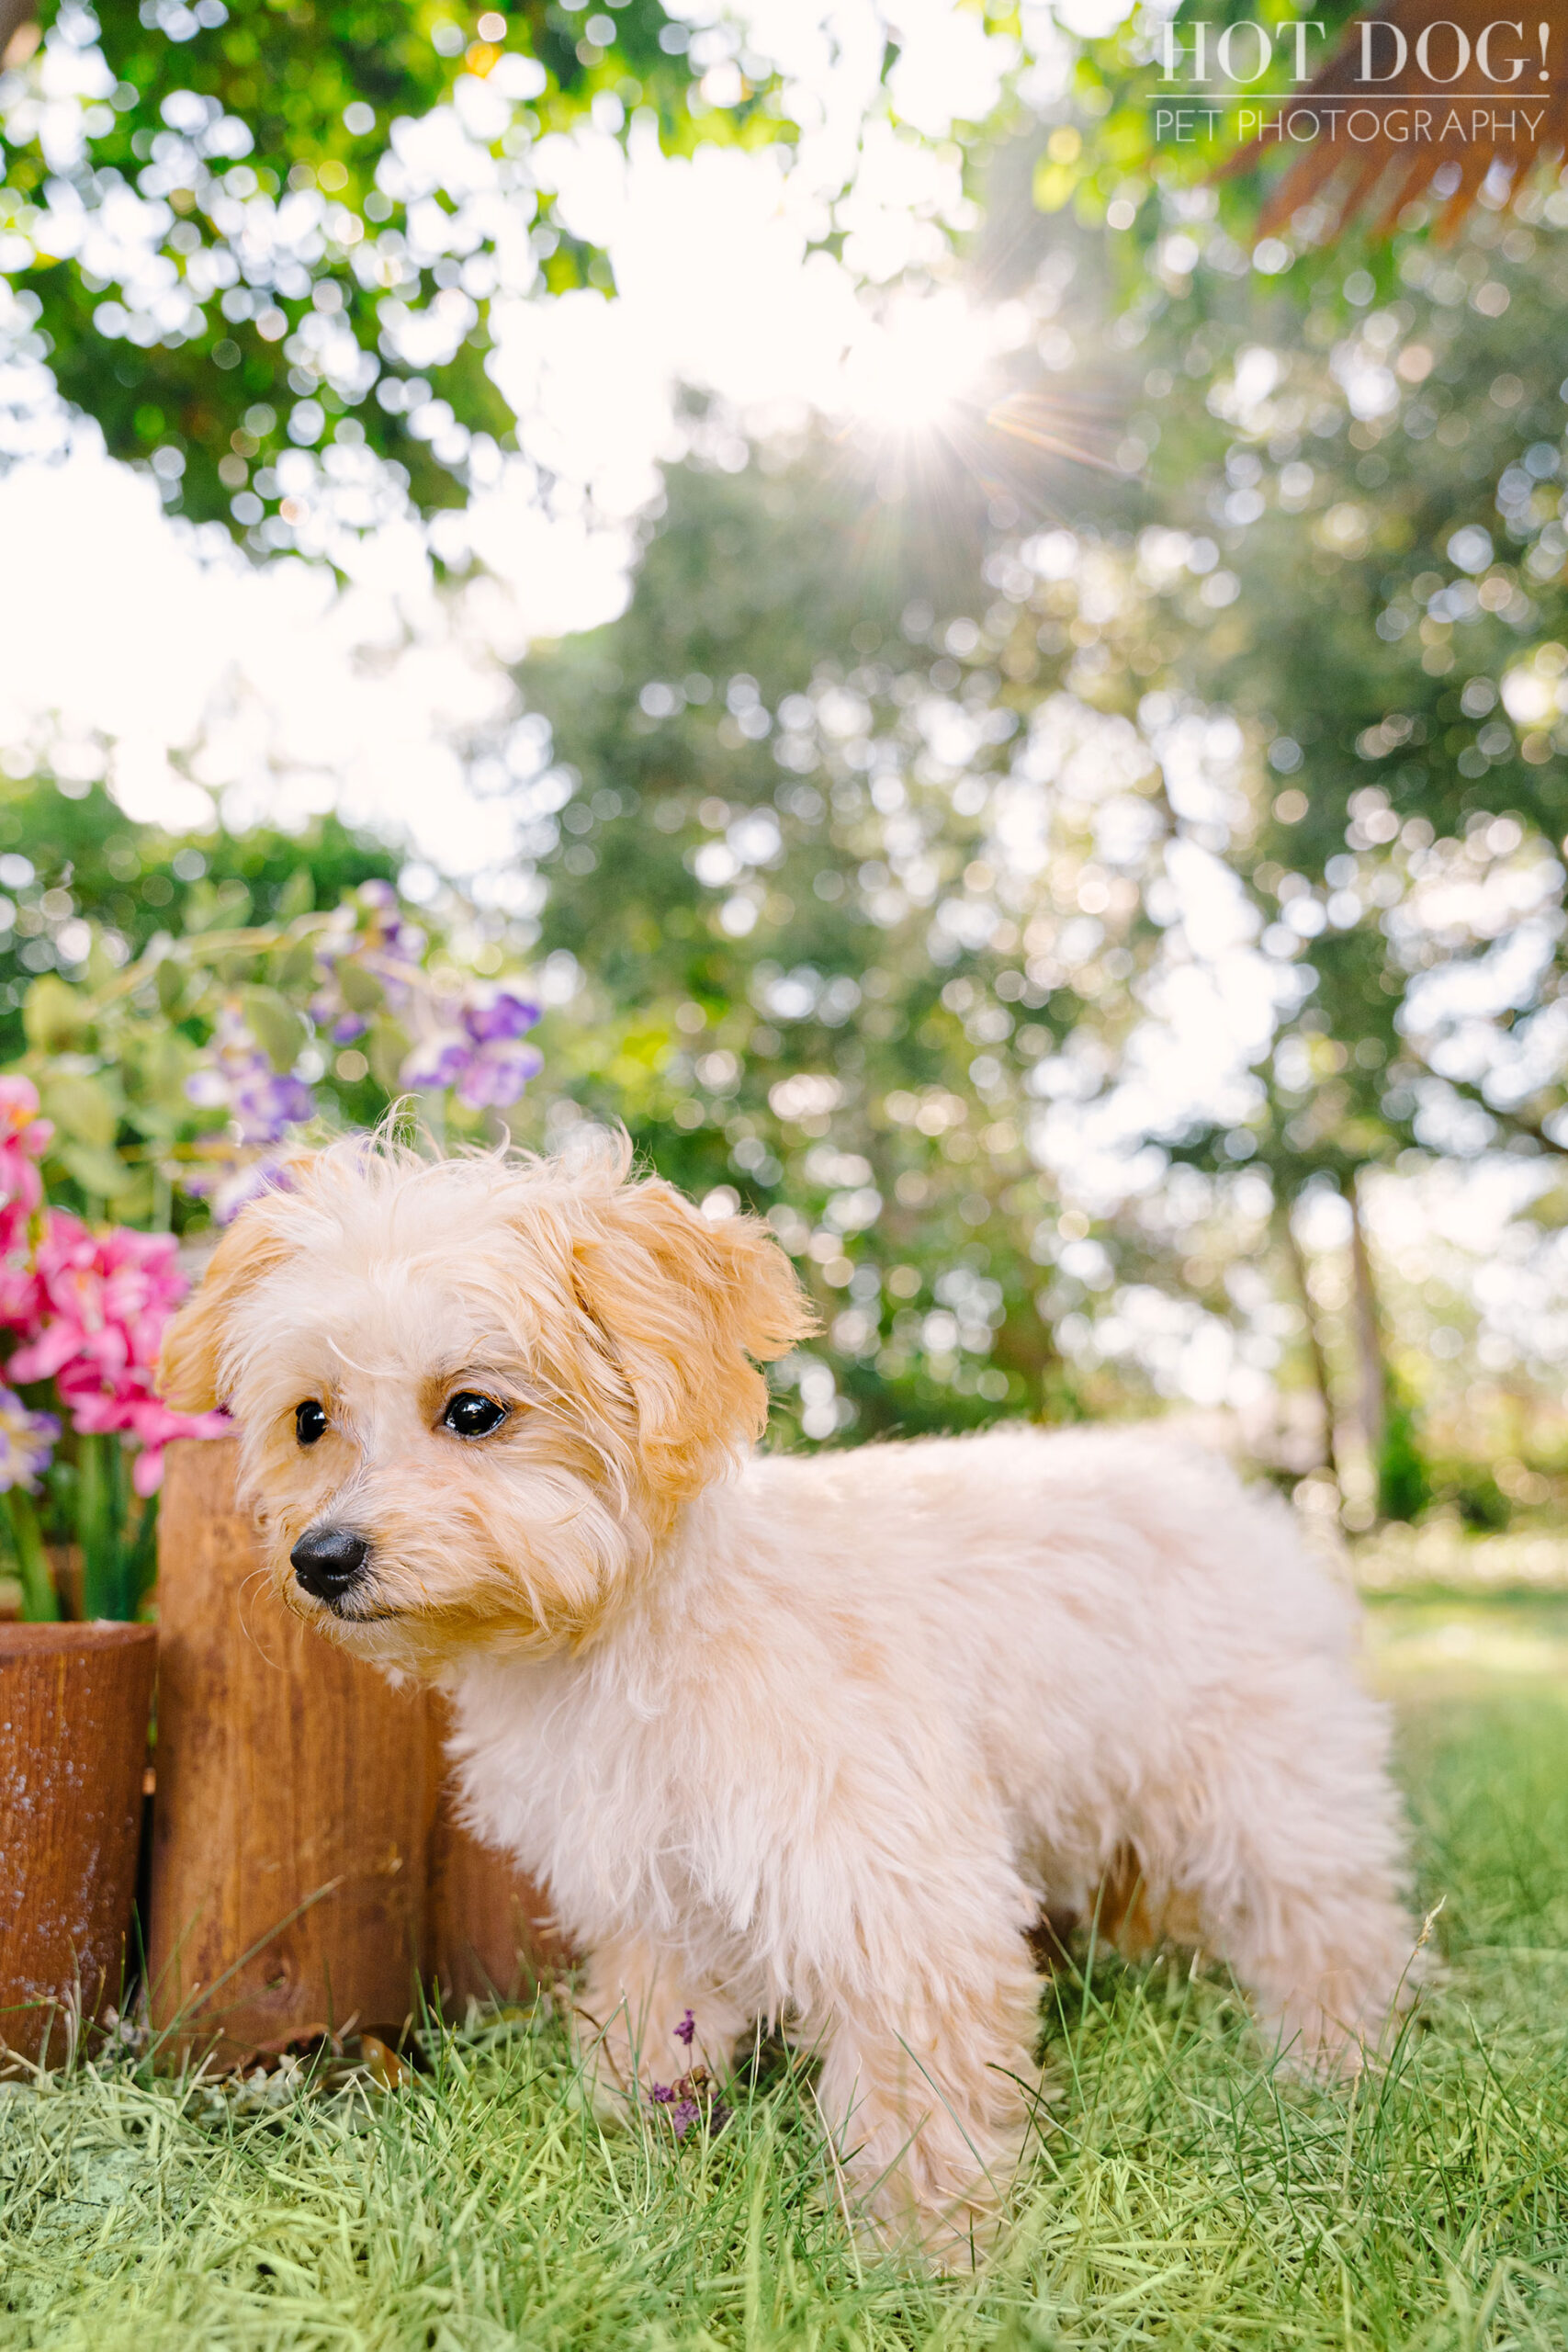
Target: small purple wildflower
column 683, row 2108
column 687, row 2027
column 684, row 2098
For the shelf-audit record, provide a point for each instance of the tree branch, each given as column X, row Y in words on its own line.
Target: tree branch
column 1519, row 1122
column 14, row 16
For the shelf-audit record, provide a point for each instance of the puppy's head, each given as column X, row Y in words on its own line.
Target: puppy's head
column 473, row 1393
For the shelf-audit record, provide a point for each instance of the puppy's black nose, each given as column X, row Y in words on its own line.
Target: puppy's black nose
column 327, row 1559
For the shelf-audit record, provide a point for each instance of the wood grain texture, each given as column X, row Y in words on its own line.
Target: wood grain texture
column 306, row 1869
column 291, row 1824
column 74, row 1703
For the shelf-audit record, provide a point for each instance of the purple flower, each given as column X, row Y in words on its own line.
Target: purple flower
column 381, row 925
column 683, row 2108
column 261, row 1102
column 684, row 2098
column 686, row 2029
column 498, row 1018
column 370, row 932
column 27, row 1442
column 476, row 1050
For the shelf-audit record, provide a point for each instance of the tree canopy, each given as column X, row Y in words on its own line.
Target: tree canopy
column 261, row 244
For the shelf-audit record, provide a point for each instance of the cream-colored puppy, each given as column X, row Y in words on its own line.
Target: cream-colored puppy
column 809, row 1740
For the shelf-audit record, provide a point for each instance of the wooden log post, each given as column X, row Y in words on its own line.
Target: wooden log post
column 305, row 1870
column 74, row 1703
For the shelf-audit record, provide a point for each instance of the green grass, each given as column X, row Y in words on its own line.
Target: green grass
column 1176, row 2196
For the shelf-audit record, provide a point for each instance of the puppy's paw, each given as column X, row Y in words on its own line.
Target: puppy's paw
column 605, row 2077
column 612, row 2109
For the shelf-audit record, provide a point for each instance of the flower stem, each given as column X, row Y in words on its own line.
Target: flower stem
column 97, row 1525
column 141, row 1555
column 40, row 1603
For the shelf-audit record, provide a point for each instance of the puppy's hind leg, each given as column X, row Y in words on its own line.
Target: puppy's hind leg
column 638, row 2021
column 1298, row 1868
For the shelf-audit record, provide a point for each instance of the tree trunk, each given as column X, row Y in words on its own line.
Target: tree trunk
column 15, row 16
column 1316, row 1354
column 1371, row 1368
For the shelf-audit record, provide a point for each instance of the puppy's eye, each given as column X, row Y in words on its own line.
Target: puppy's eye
column 309, row 1421
column 471, row 1415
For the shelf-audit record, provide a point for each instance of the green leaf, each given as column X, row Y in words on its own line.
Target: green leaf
column 277, row 1029
column 84, row 1108
column 294, row 966
column 159, row 1066
column 55, row 1016
column 361, row 991
column 100, row 1172
column 298, row 897
column 387, row 1049
column 171, row 984
column 100, row 970
column 224, row 906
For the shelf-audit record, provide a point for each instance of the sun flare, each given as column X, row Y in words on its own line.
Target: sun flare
column 915, row 363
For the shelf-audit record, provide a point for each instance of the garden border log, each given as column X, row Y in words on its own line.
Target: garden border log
column 74, row 1706
column 307, row 1871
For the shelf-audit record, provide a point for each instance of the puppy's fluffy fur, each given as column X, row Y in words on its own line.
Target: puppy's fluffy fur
column 808, row 1740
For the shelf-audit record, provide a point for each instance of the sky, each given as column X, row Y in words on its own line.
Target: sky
column 194, row 682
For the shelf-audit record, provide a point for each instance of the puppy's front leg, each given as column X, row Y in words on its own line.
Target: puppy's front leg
column 630, row 2026
column 926, row 2087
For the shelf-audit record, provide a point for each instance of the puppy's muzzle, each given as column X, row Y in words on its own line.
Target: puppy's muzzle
column 329, row 1560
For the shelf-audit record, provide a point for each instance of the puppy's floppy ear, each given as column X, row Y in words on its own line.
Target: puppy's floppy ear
column 685, row 1300
column 190, row 1363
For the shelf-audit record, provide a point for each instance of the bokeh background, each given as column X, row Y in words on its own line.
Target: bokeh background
column 1003, row 721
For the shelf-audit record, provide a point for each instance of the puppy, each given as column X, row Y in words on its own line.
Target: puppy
column 814, row 1740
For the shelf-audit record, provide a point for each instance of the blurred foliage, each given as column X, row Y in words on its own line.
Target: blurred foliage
column 1334, row 665
column 244, row 233
column 1403, row 1480
column 1381, row 484
column 1168, row 112
column 76, row 859
column 807, row 977
column 185, row 1005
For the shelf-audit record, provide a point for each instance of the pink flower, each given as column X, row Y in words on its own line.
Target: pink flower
column 139, row 1415
column 99, row 1304
column 24, row 1139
